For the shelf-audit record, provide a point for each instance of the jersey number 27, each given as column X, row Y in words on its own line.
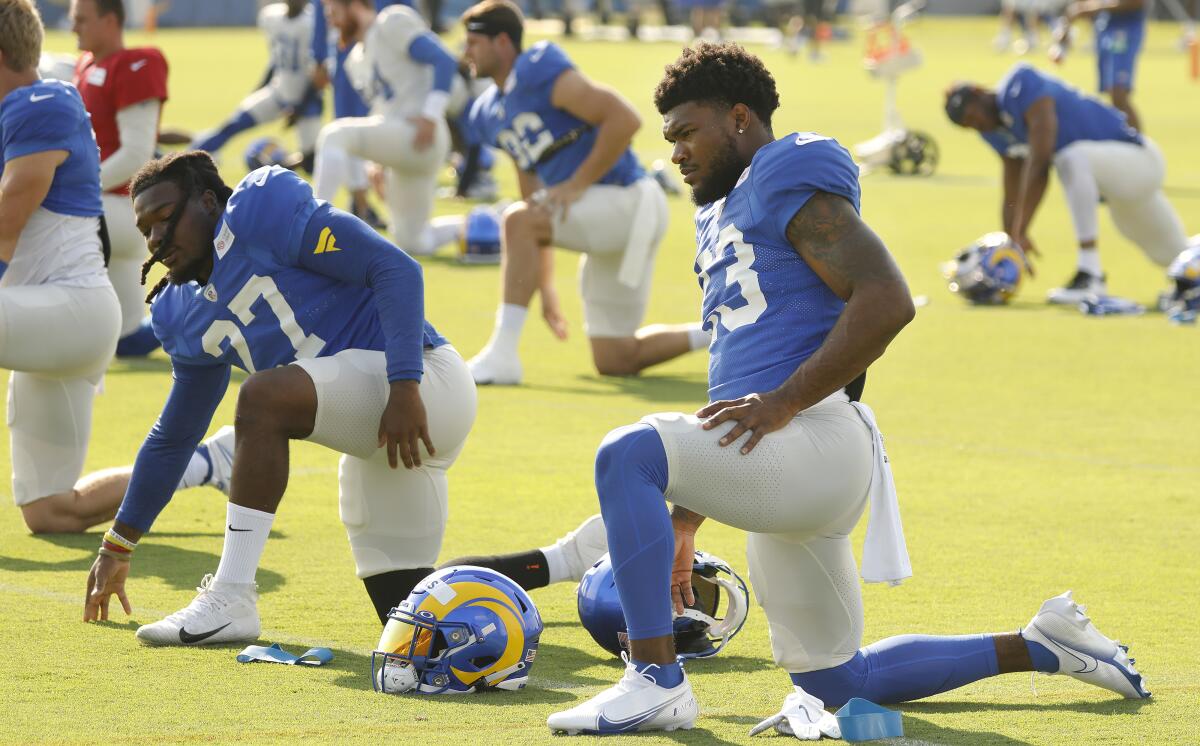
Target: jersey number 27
column 221, row 330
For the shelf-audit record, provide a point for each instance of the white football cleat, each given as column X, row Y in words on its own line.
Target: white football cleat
column 1082, row 650
column 221, row 612
column 492, row 368
column 1082, row 286
column 635, row 703
column 583, row 547
column 220, row 455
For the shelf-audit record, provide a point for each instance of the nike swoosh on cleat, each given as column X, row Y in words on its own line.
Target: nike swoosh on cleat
column 231, row 528
column 187, row 638
column 1089, row 664
column 604, row 725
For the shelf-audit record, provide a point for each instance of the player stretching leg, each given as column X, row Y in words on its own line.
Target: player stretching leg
column 288, row 27
column 59, row 317
column 801, row 298
column 123, row 90
column 407, row 74
column 374, row 381
column 582, row 190
column 1034, row 120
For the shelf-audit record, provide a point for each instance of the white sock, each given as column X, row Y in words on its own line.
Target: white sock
column 510, row 318
column 246, row 532
column 556, row 564
column 698, row 338
column 198, row 472
column 1089, row 261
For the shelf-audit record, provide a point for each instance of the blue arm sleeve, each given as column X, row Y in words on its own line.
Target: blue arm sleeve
column 367, row 259
column 428, row 49
column 320, row 38
column 195, row 394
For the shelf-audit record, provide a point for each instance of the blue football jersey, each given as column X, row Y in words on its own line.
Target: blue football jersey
column 1080, row 117
column 1132, row 22
column 766, row 309
column 49, row 115
column 522, row 120
column 261, row 308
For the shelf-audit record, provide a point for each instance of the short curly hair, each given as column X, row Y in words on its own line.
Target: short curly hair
column 724, row 73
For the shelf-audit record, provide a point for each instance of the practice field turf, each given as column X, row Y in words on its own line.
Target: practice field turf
column 1035, row 450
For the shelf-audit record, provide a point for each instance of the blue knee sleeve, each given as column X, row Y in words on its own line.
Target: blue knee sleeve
column 240, row 122
column 904, row 668
column 631, row 476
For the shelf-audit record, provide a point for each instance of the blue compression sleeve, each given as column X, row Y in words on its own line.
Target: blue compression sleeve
column 320, row 37
column 904, row 668
column 195, row 394
column 367, row 259
column 631, row 476
column 428, row 49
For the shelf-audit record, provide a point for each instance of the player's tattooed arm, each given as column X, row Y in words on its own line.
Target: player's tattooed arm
column 831, row 237
column 844, row 252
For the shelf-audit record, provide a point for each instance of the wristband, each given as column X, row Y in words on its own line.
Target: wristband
column 120, row 557
column 112, row 537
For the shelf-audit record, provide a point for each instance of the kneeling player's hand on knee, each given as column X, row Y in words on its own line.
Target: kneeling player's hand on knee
column 757, row 413
column 106, row 578
column 681, row 571
column 403, row 426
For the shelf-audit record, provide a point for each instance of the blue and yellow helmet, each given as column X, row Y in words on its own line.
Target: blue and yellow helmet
column 988, row 271
column 704, row 628
column 462, row 629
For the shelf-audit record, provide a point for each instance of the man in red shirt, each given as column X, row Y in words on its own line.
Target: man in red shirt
column 123, row 90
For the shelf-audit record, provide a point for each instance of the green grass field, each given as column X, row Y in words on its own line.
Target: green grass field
column 1035, row 450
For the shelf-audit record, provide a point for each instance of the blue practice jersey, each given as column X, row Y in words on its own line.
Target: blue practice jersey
column 49, row 115
column 265, row 305
column 522, row 120
column 766, row 309
column 1080, row 117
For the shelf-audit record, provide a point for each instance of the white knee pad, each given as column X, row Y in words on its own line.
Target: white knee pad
column 394, row 518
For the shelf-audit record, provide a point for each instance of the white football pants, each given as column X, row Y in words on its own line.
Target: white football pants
column 799, row 494
column 57, row 341
column 411, row 173
column 125, row 264
column 1130, row 179
column 395, row 518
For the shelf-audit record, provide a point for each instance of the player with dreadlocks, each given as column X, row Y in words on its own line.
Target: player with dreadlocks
column 327, row 318
column 800, row 297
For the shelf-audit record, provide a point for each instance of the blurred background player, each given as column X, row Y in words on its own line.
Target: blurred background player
column 1034, row 121
column 330, row 70
column 706, row 17
column 582, row 189
column 374, row 381
column 406, row 74
column 124, row 91
column 1120, row 27
column 286, row 90
column 59, row 316
column 805, row 28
